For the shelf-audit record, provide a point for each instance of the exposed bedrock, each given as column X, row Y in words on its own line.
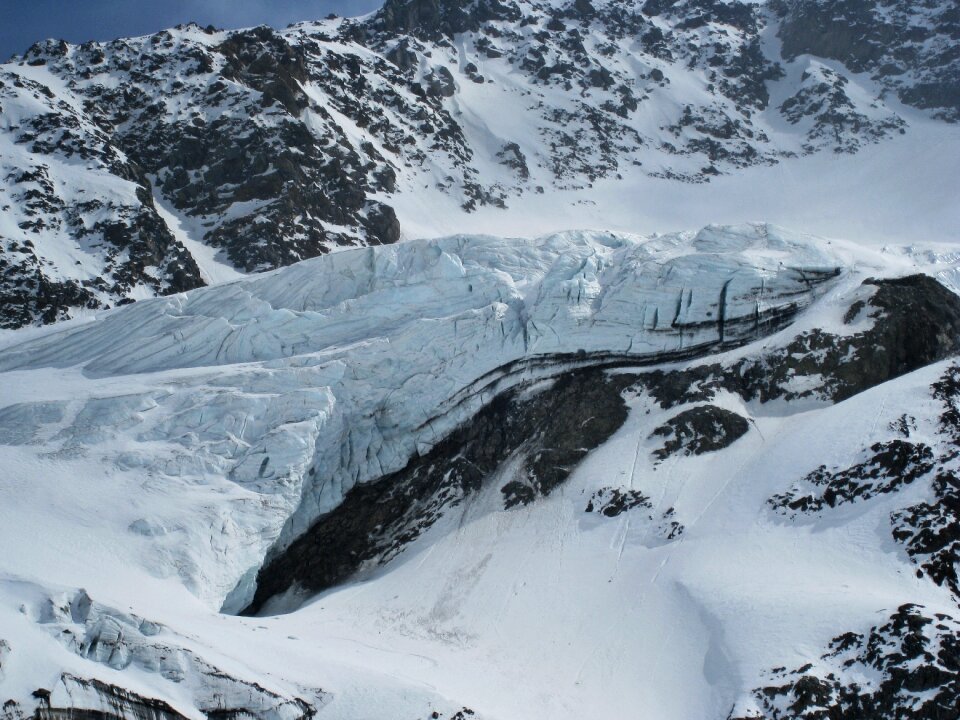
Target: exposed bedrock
column 906, row 668
column 915, row 322
column 906, row 47
column 541, row 432
column 700, row 429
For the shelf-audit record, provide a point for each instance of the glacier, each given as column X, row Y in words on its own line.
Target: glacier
column 157, row 455
column 293, row 386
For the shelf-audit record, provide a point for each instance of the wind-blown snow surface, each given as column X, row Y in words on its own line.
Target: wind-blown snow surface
column 904, row 188
column 153, row 455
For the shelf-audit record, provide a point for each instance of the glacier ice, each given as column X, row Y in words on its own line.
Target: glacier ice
column 276, row 394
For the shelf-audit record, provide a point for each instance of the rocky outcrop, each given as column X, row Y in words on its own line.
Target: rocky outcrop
column 120, row 232
column 908, row 47
column 611, row 502
column 832, row 118
column 262, row 155
column 527, row 441
column 915, row 322
column 890, row 466
column 441, row 19
column 701, row 429
column 930, row 530
column 908, row 667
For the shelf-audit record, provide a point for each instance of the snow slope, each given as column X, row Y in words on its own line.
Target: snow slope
column 901, row 191
column 154, row 456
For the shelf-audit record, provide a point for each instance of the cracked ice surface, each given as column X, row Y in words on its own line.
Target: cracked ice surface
column 244, row 410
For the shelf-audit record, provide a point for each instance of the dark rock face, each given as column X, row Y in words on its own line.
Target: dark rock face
column 463, row 713
column 512, row 156
column 930, row 531
column 263, row 154
column 134, row 245
column 823, row 99
column 137, row 249
column 913, row 662
column 916, row 322
column 548, row 433
column 28, row 295
column 908, row 47
column 890, row 466
column 442, row 19
column 233, row 149
column 701, row 429
column 611, row 502
column 614, row 501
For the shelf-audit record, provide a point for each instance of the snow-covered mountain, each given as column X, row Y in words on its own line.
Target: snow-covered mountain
column 357, row 370
column 699, row 475
column 153, row 165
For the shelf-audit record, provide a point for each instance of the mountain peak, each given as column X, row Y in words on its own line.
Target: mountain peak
column 436, row 19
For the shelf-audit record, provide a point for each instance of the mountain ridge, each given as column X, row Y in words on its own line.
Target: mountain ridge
column 322, row 399
column 274, row 146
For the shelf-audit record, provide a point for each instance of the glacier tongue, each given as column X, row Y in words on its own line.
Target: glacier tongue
column 279, row 393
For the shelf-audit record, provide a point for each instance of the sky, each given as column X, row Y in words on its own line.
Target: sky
column 23, row 22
